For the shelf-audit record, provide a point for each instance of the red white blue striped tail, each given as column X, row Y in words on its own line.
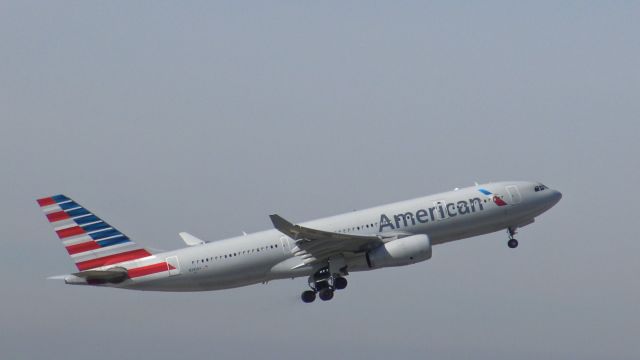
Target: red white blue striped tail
column 90, row 241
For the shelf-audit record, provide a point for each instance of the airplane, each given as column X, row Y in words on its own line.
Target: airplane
column 324, row 250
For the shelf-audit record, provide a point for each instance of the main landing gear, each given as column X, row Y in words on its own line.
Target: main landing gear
column 512, row 243
column 324, row 284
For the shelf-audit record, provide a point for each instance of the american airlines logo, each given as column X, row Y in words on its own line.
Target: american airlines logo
column 495, row 198
column 440, row 210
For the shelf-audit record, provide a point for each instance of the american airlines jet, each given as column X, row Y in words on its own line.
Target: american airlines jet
column 324, row 250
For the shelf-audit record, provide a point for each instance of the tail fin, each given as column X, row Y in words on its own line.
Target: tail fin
column 91, row 242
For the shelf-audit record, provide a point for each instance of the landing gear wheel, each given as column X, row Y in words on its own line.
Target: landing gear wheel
column 326, row 294
column 321, row 285
column 308, row 296
column 340, row 283
column 512, row 243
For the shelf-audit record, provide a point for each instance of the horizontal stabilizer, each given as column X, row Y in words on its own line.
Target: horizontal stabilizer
column 112, row 276
column 57, row 277
column 190, row 240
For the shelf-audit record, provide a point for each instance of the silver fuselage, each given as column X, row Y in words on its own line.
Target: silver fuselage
column 266, row 255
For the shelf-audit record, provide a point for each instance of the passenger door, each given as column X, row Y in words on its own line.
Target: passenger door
column 514, row 194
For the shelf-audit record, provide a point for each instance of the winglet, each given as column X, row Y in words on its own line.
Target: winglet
column 190, row 240
column 280, row 223
column 285, row 226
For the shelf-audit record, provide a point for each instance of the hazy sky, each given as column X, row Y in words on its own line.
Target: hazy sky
column 208, row 116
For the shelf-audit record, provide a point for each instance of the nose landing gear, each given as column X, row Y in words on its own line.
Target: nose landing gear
column 512, row 243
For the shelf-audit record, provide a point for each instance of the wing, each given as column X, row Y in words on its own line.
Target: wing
column 317, row 245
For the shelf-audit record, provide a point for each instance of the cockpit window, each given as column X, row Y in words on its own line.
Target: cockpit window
column 540, row 188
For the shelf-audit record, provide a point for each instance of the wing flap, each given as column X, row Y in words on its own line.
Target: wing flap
column 301, row 233
column 313, row 245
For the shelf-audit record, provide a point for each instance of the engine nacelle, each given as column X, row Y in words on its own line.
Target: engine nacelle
column 399, row 252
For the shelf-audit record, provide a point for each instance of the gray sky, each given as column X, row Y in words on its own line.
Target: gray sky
column 171, row 116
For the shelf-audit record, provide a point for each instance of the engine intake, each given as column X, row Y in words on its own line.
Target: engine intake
column 399, row 252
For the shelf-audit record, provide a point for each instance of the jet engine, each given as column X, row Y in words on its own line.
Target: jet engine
column 399, row 252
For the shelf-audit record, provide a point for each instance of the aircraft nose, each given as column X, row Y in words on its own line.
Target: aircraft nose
column 555, row 196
